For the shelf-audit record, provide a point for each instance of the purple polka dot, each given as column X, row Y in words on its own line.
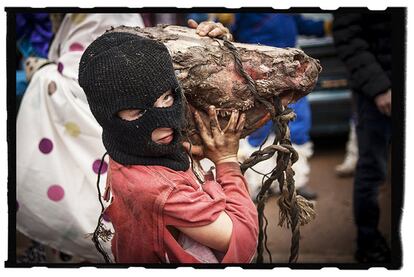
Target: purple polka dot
column 106, row 217
column 96, row 165
column 60, row 67
column 45, row 146
column 51, row 88
column 76, row 46
column 55, row 193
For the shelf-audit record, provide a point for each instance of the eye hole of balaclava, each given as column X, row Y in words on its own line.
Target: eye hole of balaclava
column 166, row 100
column 130, row 114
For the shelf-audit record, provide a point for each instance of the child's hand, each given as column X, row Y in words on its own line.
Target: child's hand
column 211, row 29
column 221, row 145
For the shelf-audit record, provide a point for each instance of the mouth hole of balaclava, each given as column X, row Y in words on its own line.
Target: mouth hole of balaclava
column 163, row 135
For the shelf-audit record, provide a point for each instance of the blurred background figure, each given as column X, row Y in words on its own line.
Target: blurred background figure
column 281, row 30
column 363, row 42
column 199, row 17
column 227, row 19
column 58, row 141
column 33, row 35
column 152, row 19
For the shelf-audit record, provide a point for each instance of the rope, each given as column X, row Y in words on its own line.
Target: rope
column 294, row 209
column 250, row 82
column 100, row 231
column 186, row 134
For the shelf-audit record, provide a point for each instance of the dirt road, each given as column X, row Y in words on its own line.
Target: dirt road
column 330, row 238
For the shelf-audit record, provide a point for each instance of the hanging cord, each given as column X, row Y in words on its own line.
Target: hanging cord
column 186, row 132
column 250, row 82
column 100, row 231
column 198, row 174
column 294, row 209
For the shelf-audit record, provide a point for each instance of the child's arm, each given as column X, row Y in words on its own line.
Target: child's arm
column 241, row 210
column 215, row 235
column 234, row 231
column 222, row 216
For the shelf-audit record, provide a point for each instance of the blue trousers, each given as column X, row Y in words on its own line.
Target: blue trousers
column 299, row 128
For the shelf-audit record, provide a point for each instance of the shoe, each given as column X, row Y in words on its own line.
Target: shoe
column 307, row 193
column 378, row 252
column 347, row 167
column 302, row 165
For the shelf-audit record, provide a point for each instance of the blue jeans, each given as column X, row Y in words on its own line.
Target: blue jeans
column 299, row 128
column 374, row 137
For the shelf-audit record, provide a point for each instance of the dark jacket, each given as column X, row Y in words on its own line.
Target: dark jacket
column 363, row 43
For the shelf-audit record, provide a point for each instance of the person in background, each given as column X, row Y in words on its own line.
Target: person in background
column 281, row 30
column 58, row 146
column 227, row 19
column 363, row 42
column 153, row 19
column 33, row 35
column 198, row 17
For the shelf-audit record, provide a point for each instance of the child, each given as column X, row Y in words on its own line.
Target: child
column 160, row 210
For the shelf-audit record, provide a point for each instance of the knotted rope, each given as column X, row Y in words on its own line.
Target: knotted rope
column 294, row 209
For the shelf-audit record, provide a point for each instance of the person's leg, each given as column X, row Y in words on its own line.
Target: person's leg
column 373, row 134
column 299, row 134
column 254, row 175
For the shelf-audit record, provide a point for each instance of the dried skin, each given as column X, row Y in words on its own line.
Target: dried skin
column 205, row 69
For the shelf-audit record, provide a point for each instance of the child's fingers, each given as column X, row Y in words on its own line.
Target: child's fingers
column 205, row 27
column 187, row 145
column 231, row 125
column 214, row 124
column 218, row 31
column 219, row 25
column 215, row 32
column 196, row 150
column 228, row 36
column 192, row 23
column 202, row 128
column 240, row 124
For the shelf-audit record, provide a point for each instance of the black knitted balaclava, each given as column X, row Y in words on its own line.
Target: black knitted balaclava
column 120, row 71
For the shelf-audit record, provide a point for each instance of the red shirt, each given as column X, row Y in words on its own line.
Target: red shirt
column 147, row 199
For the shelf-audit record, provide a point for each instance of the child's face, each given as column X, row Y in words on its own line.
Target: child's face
column 159, row 135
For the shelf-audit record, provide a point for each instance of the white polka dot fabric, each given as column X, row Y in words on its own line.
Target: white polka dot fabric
column 59, row 146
